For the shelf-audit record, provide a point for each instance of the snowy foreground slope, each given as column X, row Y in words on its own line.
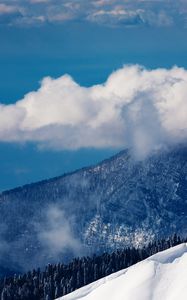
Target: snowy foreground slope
column 160, row 277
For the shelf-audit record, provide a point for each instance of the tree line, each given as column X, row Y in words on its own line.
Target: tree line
column 60, row 279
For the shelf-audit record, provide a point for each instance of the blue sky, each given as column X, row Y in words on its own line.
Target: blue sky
column 87, row 40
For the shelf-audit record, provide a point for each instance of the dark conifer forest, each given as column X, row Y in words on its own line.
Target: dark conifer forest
column 60, row 279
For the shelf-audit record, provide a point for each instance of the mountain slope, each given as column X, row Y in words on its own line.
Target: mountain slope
column 117, row 203
column 160, row 277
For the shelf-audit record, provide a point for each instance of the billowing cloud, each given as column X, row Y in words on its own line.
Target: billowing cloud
column 137, row 108
column 103, row 12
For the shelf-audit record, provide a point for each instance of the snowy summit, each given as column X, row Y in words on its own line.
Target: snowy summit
column 160, row 277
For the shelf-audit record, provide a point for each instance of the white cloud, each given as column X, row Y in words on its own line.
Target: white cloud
column 116, row 16
column 99, row 3
column 39, row 1
column 7, row 9
column 138, row 108
column 106, row 12
column 55, row 234
column 9, row 14
column 159, row 19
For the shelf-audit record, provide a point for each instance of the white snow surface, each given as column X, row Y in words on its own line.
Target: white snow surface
column 162, row 276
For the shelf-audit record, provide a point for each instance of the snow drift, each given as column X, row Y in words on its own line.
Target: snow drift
column 160, row 277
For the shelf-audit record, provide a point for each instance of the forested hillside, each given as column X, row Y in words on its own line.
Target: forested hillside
column 118, row 203
column 60, row 279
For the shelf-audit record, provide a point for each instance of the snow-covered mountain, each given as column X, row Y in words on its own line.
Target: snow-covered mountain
column 160, row 277
column 117, row 203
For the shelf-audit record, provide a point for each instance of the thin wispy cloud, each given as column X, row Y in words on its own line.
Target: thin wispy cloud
column 7, row 9
column 135, row 108
column 55, row 234
column 39, row 1
column 116, row 17
column 9, row 13
column 103, row 12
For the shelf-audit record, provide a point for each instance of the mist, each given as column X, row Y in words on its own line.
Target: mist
column 55, row 234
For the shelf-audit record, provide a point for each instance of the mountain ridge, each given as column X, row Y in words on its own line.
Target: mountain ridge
column 84, row 168
column 116, row 203
column 51, row 179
